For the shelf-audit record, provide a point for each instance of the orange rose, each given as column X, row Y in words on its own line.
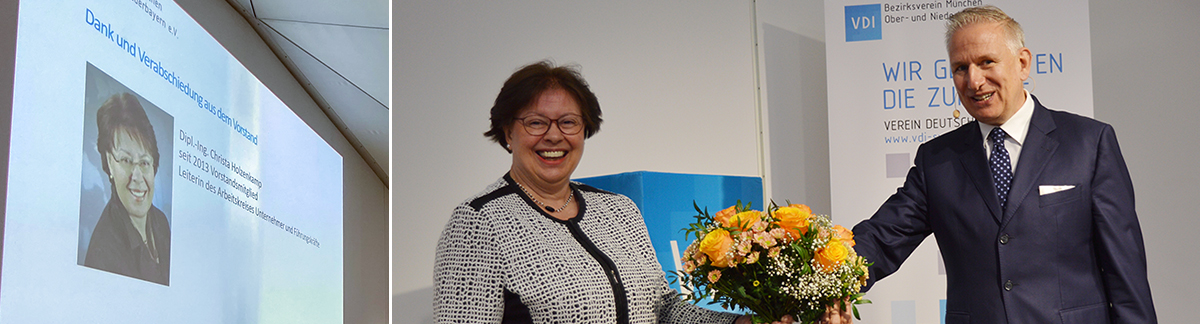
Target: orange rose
column 844, row 234
column 832, row 255
column 743, row 220
column 793, row 219
column 716, row 245
column 722, row 217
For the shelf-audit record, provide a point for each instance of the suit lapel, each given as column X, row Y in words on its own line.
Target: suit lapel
column 974, row 161
column 1035, row 153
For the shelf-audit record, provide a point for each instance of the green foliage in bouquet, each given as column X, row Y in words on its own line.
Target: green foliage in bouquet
column 782, row 261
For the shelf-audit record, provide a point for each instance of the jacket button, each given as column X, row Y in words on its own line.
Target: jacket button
column 1008, row 285
column 1004, row 239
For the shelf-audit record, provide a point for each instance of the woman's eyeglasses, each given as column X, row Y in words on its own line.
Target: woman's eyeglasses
column 129, row 164
column 538, row 125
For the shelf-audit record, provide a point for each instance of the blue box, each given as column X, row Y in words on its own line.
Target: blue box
column 863, row 22
column 665, row 200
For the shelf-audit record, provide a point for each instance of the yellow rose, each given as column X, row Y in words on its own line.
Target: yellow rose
column 793, row 219
column 832, row 255
column 844, row 234
column 743, row 220
column 716, row 244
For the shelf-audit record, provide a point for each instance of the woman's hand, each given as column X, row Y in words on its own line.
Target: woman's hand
column 836, row 315
column 746, row 319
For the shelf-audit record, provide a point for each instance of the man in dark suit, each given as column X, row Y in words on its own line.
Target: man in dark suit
column 1033, row 209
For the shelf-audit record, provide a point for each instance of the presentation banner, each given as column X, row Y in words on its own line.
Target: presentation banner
column 154, row 179
column 891, row 89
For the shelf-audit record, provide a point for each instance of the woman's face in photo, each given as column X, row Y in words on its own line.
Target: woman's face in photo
column 132, row 170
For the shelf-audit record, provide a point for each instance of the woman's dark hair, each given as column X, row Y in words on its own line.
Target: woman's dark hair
column 525, row 85
column 123, row 112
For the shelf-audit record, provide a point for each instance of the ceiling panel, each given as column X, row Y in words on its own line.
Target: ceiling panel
column 338, row 51
column 240, row 4
column 358, row 54
column 363, row 13
column 364, row 118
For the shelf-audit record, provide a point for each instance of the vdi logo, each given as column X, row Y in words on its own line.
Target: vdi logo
column 863, row 23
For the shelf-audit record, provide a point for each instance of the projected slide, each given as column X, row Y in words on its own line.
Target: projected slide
column 153, row 179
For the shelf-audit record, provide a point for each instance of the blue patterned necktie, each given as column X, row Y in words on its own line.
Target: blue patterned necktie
column 1001, row 167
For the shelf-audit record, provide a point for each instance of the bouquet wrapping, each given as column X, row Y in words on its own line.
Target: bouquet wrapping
column 782, row 261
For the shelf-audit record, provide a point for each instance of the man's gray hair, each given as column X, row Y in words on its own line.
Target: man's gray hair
column 988, row 13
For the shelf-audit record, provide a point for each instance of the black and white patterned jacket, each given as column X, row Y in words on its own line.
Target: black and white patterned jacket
column 502, row 259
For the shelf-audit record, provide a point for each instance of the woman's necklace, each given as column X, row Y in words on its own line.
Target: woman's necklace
column 548, row 208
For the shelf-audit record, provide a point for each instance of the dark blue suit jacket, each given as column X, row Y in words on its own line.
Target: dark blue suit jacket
column 1073, row 256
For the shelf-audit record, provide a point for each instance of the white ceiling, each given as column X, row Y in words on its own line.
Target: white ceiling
column 338, row 50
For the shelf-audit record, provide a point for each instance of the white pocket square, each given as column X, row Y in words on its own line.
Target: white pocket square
column 1049, row 189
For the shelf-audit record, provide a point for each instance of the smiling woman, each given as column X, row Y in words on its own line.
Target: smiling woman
column 534, row 247
column 132, row 237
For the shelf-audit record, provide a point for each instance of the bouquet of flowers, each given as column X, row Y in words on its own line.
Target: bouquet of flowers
column 784, row 261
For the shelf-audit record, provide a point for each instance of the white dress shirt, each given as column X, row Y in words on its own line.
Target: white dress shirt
column 1016, row 127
